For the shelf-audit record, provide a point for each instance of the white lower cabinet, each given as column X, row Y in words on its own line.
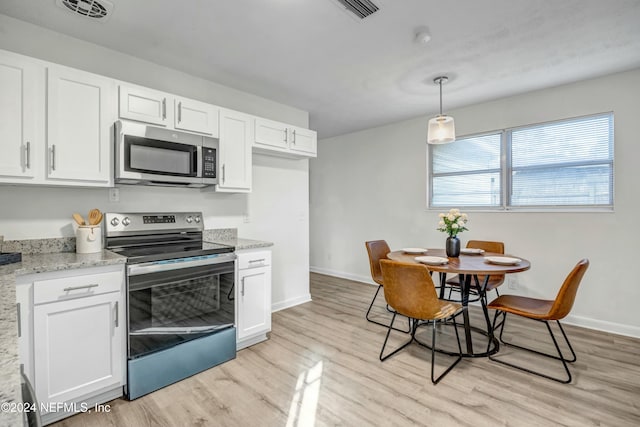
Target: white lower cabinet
column 253, row 294
column 72, row 338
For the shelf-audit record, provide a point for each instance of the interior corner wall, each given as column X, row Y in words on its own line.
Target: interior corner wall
column 372, row 185
column 276, row 210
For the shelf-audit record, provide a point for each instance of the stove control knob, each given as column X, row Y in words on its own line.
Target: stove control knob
column 115, row 222
column 189, row 219
column 197, row 219
column 126, row 221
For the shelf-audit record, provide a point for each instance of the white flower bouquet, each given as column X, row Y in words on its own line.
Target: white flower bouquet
column 453, row 222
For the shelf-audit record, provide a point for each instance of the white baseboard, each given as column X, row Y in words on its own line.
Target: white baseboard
column 290, row 303
column 603, row 325
column 584, row 322
column 343, row 275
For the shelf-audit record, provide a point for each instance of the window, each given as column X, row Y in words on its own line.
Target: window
column 564, row 164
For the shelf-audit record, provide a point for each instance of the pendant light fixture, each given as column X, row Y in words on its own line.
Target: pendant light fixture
column 442, row 129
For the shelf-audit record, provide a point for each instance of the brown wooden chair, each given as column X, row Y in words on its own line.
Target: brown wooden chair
column 378, row 250
column 495, row 280
column 409, row 290
column 543, row 311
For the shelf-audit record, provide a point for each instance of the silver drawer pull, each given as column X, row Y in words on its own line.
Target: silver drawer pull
column 75, row 288
column 257, row 260
column 19, row 320
column 117, row 315
column 27, row 155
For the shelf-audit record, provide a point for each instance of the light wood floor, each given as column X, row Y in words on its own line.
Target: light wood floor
column 320, row 367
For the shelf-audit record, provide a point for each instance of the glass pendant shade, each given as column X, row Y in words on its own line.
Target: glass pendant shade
column 441, row 130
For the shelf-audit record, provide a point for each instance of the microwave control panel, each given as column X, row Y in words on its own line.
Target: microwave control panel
column 208, row 162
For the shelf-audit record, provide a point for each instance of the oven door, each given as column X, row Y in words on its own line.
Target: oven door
column 174, row 301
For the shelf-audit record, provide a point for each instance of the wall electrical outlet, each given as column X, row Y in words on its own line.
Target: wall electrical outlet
column 114, row 194
column 512, row 283
column 246, row 219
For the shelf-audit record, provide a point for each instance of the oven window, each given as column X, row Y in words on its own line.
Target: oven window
column 175, row 306
column 160, row 157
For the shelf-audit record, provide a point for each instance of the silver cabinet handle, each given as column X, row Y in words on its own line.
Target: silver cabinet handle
column 27, row 155
column 286, row 134
column 117, row 314
column 257, row 260
column 179, row 112
column 53, row 157
column 294, row 136
column 164, row 108
column 223, row 174
column 75, row 288
column 242, row 291
column 19, row 320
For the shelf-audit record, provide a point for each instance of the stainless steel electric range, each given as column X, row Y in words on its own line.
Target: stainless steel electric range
column 180, row 305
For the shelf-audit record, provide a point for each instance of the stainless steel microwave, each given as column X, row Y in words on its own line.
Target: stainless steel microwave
column 149, row 155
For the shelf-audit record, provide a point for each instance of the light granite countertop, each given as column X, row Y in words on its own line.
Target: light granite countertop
column 241, row 244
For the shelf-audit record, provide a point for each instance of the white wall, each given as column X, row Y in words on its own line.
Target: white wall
column 372, row 185
column 277, row 208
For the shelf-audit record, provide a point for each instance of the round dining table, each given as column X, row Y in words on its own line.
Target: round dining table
column 469, row 267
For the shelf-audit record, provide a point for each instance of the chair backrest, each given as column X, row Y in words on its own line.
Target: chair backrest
column 489, row 246
column 567, row 294
column 408, row 289
column 495, row 247
column 377, row 250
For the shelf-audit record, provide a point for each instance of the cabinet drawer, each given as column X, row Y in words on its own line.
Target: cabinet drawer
column 254, row 259
column 71, row 287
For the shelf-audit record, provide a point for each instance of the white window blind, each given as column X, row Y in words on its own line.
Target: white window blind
column 567, row 163
column 467, row 172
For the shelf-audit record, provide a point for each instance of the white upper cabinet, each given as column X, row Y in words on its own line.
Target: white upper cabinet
column 79, row 122
column 164, row 109
column 273, row 135
column 196, row 116
column 236, row 137
column 280, row 139
column 145, row 105
column 304, row 142
column 21, row 117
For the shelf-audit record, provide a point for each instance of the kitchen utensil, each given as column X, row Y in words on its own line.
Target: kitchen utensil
column 95, row 216
column 79, row 219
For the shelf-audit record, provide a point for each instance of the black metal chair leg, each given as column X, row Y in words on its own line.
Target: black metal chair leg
column 390, row 327
column 433, row 353
column 391, row 311
column 559, row 357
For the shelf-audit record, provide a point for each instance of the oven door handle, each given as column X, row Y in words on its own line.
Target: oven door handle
column 168, row 265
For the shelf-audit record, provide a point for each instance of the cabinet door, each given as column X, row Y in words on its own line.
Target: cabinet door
column 78, row 347
column 303, row 141
column 21, row 100
column 145, row 105
column 254, row 301
column 271, row 134
column 79, row 126
column 236, row 137
column 196, row 116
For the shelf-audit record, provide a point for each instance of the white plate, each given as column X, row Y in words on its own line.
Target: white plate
column 414, row 250
column 431, row 260
column 502, row 260
column 471, row 251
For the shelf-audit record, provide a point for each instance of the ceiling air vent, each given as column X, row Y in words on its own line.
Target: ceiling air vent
column 98, row 9
column 361, row 8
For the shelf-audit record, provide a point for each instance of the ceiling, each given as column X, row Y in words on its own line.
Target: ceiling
column 352, row 74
